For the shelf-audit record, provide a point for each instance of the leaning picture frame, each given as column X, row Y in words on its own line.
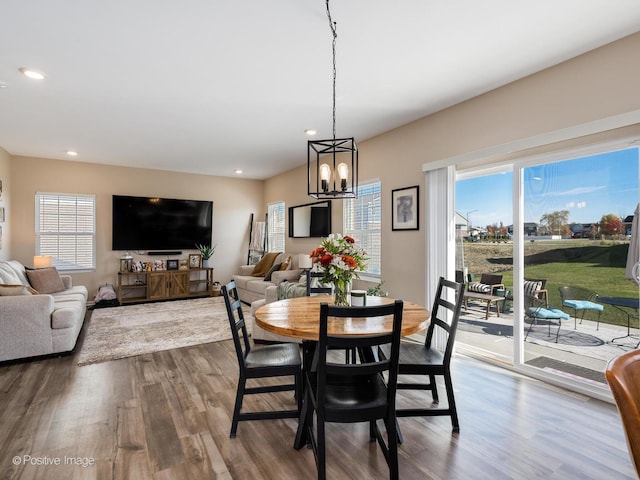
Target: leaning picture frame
column 172, row 264
column 405, row 208
column 195, row 260
column 183, row 264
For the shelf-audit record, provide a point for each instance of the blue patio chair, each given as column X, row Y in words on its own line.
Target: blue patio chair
column 580, row 298
column 537, row 309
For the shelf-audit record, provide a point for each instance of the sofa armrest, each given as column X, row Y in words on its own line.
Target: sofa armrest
column 288, row 275
column 496, row 286
column 67, row 281
column 20, row 308
column 271, row 294
column 246, row 269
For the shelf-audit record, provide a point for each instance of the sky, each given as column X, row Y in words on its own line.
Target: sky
column 588, row 187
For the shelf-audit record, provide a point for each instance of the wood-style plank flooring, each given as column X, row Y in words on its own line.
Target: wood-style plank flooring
column 167, row 416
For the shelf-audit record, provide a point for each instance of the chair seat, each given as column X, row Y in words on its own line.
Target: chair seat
column 353, row 400
column 269, row 356
column 582, row 305
column 547, row 313
column 415, row 357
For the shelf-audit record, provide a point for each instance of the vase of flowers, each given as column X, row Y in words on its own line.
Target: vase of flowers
column 339, row 260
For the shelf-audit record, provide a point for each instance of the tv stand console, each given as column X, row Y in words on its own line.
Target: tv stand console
column 139, row 287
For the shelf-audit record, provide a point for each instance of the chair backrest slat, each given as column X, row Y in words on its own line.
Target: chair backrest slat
column 236, row 322
column 315, row 289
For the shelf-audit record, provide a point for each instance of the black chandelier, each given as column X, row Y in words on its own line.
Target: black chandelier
column 332, row 165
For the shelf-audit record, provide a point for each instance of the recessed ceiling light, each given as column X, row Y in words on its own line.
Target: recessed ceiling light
column 310, row 131
column 31, row 73
column 239, row 172
column 72, row 153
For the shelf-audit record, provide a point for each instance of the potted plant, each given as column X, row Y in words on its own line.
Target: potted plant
column 207, row 252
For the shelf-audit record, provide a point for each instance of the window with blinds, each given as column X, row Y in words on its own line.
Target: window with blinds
column 275, row 227
column 361, row 219
column 66, row 230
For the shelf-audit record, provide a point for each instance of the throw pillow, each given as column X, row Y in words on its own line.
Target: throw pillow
column 45, row 280
column 479, row 287
column 291, row 290
column 263, row 266
column 531, row 288
column 11, row 290
column 286, row 264
column 274, row 268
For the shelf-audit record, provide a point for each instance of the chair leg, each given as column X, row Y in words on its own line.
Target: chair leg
column 321, row 457
column 528, row 330
column 452, row 401
column 598, row 322
column 434, row 389
column 393, row 434
column 238, row 405
column 558, row 332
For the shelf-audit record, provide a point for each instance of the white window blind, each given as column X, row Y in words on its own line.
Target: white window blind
column 275, row 227
column 362, row 221
column 66, row 230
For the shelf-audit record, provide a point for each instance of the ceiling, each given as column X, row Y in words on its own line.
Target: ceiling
column 208, row 87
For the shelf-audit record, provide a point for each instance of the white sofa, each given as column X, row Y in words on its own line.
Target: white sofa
column 252, row 288
column 37, row 324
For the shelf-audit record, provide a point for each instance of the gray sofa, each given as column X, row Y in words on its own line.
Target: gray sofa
column 37, row 324
column 252, row 288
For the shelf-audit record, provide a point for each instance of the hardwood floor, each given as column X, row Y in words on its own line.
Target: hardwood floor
column 167, row 416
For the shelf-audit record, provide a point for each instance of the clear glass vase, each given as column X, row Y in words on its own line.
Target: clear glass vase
column 342, row 292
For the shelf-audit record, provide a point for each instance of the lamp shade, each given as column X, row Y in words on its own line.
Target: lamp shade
column 41, row 261
column 304, row 261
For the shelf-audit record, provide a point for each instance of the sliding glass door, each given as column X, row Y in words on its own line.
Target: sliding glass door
column 570, row 298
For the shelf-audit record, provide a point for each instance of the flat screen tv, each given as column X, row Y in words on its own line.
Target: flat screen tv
column 143, row 223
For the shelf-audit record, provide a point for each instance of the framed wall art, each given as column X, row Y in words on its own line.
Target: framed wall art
column 405, row 208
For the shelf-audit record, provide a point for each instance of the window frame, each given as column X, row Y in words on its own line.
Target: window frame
column 84, row 228
column 276, row 229
column 348, row 218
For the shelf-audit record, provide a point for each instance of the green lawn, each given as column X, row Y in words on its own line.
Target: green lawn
column 596, row 266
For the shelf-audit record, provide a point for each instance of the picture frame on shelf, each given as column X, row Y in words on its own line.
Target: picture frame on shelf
column 1, row 214
column 183, row 264
column 195, row 260
column 405, row 208
column 125, row 265
column 172, row 264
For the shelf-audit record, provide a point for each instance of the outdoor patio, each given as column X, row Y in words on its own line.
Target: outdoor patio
column 582, row 352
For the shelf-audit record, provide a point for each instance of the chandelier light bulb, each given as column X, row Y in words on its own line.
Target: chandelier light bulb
column 325, row 176
column 343, row 174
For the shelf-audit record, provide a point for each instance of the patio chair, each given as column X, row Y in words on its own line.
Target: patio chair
column 580, row 298
column 537, row 309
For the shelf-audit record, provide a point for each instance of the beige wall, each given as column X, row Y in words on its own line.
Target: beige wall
column 5, row 202
column 591, row 87
column 233, row 202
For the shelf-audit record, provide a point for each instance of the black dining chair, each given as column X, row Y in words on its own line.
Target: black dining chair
column 427, row 360
column 316, row 289
column 278, row 360
column 351, row 393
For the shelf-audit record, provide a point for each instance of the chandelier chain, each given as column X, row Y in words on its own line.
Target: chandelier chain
column 334, row 33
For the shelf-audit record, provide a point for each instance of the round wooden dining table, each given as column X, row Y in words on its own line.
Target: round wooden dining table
column 299, row 318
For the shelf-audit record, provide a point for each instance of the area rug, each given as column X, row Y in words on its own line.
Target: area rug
column 131, row 330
